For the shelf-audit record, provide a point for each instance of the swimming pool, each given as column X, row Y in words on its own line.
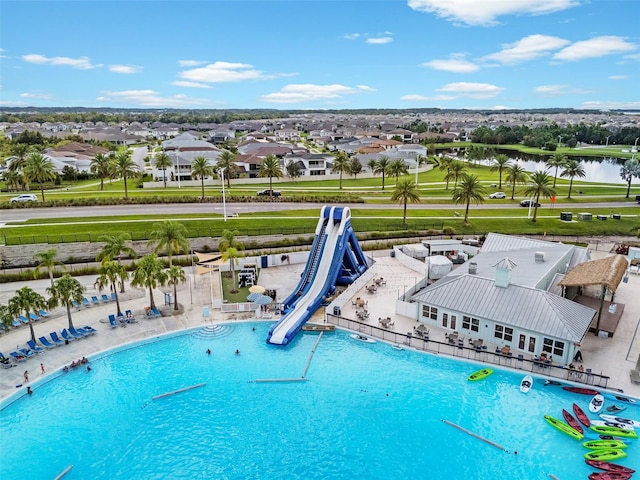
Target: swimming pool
column 367, row 411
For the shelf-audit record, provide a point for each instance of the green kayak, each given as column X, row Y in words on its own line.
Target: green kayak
column 563, row 427
column 605, row 455
column 480, row 374
column 604, row 444
column 613, row 431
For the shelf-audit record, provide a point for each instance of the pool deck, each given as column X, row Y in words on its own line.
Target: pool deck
column 614, row 357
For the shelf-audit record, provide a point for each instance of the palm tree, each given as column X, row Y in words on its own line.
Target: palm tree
column 372, row 165
column 175, row 275
column 101, row 166
column 115, row 246
column 65, row 291
column 109, row 274
column 405, row 191
column 470, row 190
column 6, row 318
column 500, row 163
column 516, row 174
column 162, row 161
column 226, row 161
column 46, row 259
column 456, row 170
column 27, row 300
column 630, row 169
column 125, row 168
column 38, row 168
column 270, row 167
column 12, row 178
column 540, row 185
column 445, row 166
column 572, row 169
column 381, row 167
column 171, row 237
column 201, row 168
column 557, row 160
column 396, row 168
column 228, row 240
column 232, row 254
column 341, row 165
column 149, row 273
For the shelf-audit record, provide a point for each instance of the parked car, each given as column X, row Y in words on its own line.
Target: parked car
column 25, row 197
column 498, row 195
column 529, row 203
column 269, row 193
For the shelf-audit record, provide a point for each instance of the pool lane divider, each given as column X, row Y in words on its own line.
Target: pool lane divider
column 64, row 472
column 553, row 477
column 313, row 350
column 293, row 379
column 168, row 394
column 475, row 435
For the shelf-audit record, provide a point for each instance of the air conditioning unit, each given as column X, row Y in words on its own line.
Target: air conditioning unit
column 539, row 256
column 473, row 268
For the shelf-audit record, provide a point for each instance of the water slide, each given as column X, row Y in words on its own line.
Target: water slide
column 335, row 255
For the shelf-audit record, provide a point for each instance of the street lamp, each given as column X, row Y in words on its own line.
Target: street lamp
column 224, row 198
column 607, row 143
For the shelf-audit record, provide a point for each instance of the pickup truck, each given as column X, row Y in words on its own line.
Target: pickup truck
column 638, row 198
column 269, row 193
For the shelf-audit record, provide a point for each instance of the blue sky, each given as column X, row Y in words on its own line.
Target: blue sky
column 306, row 54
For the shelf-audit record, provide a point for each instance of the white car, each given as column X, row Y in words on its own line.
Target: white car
column 25, row 197
column 498, row 195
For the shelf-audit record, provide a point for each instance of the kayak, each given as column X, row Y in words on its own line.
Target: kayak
column 580, row 415
column 581, row 390
column 526, row 383
column 609, row 476
column 626, row 421
column 609, row 467
column 573, row 423
column 614, row 431
column 480, row 374
column 596, row 403
column 604, row 444
column 614, row 409
column 605, row 455
column 563, row 427
column 607, row 423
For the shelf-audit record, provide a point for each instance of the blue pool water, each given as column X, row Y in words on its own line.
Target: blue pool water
column 367, row 411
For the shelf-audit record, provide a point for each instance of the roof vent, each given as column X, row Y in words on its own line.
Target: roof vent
column 539, row 256
column 473, row 268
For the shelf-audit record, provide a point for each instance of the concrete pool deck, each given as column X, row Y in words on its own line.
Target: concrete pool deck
column 614, row 357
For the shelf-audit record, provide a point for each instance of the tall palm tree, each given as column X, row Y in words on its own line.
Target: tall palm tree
column 456, row 170
column 12, row 178
column 46, row 259
column 516, row 174
column 114, row 248
column 175, row 275
column 228, row 240
column 65, row 291
column 469, row 190
column 108, row 276
column 405, row 191
column 572, row 169
column 500, row 163
column 270, row 167
column 372, row 165
column 125, row 168
column 396, row 168
column 341, row 164
column 445, row 166
column 539, row 186
column 38, row 168
column 226, row 161
column 556, row 161
column 630, row 169
column 201, row 168
column 6, row 318
column 162, row 161
column 232, row 254
column 171, row 237
column 19, row 153
column 27, row 300
column 381, row 167
column 149, row 273
column 101, row 166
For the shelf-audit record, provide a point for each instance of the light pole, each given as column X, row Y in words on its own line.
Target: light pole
column 559, row 139
column 607, row 144
column 635, row 145
column 224, row 198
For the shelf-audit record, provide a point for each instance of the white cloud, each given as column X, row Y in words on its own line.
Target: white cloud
column 379, row 40
column 366, row 88
column 527, row 48
column 607, row 105
column 151, row 98
column 557, row 90
column 182, row 83
column 82, row 63
column 220, row 72
column 125, row 69
column 472, row 90
column 191, row 63
column 594, row 48
column 352, row 36
column 33, row 95
column 476, row 12
column 633, row 56
column 618, row 77
column 455, row 65
column 414, row 97
column 299, row 93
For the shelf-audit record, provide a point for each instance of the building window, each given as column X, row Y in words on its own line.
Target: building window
column 469, row 323
column 453, row 322
column 555, row 347
column 445, row 320
column 430, row 312
column 503, row 333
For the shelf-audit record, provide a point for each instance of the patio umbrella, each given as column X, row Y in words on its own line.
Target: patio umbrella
column 263, row 300
column 252, row 297
column 257, row 289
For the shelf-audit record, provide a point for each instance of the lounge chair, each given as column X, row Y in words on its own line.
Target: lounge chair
column 27, row 352
column 43, row 314
column 95, row 300
column 121, row 320
column 156, row 312
column 130, row 317
column 112, row 321
column 23, row 319
column 56, row 339
column 16, row 322
column 85, row 301
column 34, row 317
column 46, row 343
column 89, row 329
column 32, row 345
column 69, row 336
column 75, row 304
column 4, row 361
column 105, row 299
column 113, row 297
column 18, row 357
column 78, row 332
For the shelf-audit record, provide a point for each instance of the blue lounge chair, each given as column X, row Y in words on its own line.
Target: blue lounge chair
column 18, row 357
column 32, row 345
column 27, row 352
column 43, row 314
column 130, row 317
column 85, row 301
column 75, row 304
column 113, row 296
column 156, row 312
column 78, row 332
column 46, row 343
column 95, row 300
column 105, row 299
column 89, row 329
column 56, row 339
column 121, row 320
column 23, row 319
column 66, row 335
column 4, row 361
column 16, row 322
column 112, row 321
column 34, row 317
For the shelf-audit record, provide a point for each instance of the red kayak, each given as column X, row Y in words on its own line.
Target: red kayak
column 609, row 476
column 573, row 423
column 580, row 415
column 609, row 467
column 581, row 390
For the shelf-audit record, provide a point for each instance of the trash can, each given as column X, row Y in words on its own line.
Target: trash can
column 336, row 311
column 264, row 261
column 393, row 253
column 566, row 216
